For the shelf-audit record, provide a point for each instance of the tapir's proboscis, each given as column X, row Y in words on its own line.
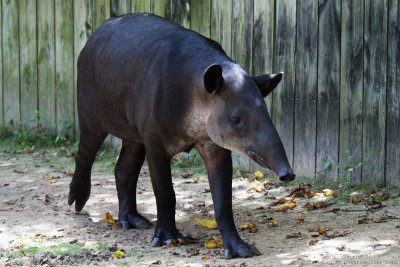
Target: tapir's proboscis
column 164, row 89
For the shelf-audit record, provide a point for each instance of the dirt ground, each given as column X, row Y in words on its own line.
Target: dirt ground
column 37, row 227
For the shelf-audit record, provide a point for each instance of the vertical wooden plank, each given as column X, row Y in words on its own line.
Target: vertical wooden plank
column 351, row 83
column 284, row 60
column 64, row 34
column 141, row 6
column 28, row 61
column 158, row 7
column 374, row 109
column 10, row 46
column 120, row 7
column 306, row 87
column 242, row 29
column 263, row 41
column 46, row 62
column 82, row 31
column 328, row 86
column 393, row 96
column 1, row 65
column 221, row 24
column 200, row 11
column 101, row 12
column 180, row 12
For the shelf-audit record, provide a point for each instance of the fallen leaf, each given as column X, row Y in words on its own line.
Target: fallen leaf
column 294, row 235
column 214, row 242
column 298, row 194
column 118, row 254
column 289, row 205
column 364, row 220
column 308, row 205
column 210, row 224
column 319, row 194
column 23, row 253
column 176, row 243
column 186, row 174
column 196, row 179
column 300, row 220
column 313, row 242
column 53, row 181
column 262, row 214
column 340, row 248
column 258, row 174
column 206, row 257
column 48, row 177
column 24, row 241
column 157, row 262
column 69, row 173
column 247, row 225
column 273, row 223
column 322, row 230
column 355, row 200
column 328, row 193
column 280, row 201
column 60, row 230
column 315, row 235
column 313, row 229
column 110, row 220
column 335, row 210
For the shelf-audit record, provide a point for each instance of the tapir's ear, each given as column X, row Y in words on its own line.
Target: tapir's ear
column 268, row 82
column 213, row 79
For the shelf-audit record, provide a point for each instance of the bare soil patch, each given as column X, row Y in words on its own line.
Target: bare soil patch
column 37, row 227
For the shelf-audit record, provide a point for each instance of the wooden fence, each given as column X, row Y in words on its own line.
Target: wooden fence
column 341, row 60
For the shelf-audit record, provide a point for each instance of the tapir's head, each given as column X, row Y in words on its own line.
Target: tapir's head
column 238, row 119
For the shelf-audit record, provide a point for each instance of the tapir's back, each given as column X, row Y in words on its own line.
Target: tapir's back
column 138, row 66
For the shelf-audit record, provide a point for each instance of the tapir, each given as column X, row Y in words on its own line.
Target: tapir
column 164, row 89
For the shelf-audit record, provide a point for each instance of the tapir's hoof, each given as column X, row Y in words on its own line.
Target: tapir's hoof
column 164, row 238
column 242, row 250
column 135, row 221
column 79, row 202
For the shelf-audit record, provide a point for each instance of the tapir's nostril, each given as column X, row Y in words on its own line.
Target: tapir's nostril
column 287, row 177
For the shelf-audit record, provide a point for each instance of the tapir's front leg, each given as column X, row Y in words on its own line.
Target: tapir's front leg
column 219, row 167
column 160, row 173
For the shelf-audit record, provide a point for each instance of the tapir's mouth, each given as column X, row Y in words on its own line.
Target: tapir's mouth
column 257, row 158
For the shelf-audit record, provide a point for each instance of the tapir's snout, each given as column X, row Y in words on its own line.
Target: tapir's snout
column 287, row 176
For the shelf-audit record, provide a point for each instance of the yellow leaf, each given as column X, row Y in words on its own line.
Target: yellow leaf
column 308, row 205
column 24, row 241
column 319, row 194
column 258, row 174
column 196, row 179
column 206, row 257
column 247, row 225
column 48, row 177
column 258, row 189
column 110, row 220
column 53, row 181
column 328, row 192
column 176, row 243
column 289, row 205
column 273, row 223
column 300, row 220
column 322, row 230
column 210, row 224
column 214, row 242
column 118, row 254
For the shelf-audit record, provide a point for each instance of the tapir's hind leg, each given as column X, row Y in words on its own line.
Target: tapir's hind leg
column 127, row 172
column 91, row 138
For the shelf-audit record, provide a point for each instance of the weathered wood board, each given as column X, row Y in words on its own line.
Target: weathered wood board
column 393, row 96
column 328, row 87
column 374, row 106
column 306, row 87
column 10, row 50
column 284, row 61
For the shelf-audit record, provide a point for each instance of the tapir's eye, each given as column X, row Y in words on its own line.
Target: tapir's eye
column 235, row 119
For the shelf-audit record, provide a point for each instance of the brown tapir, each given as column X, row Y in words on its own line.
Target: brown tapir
column 164, row 89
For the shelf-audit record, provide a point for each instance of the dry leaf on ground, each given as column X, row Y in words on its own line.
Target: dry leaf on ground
column 214, row 242
column 210, row 224
column 110, row 220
